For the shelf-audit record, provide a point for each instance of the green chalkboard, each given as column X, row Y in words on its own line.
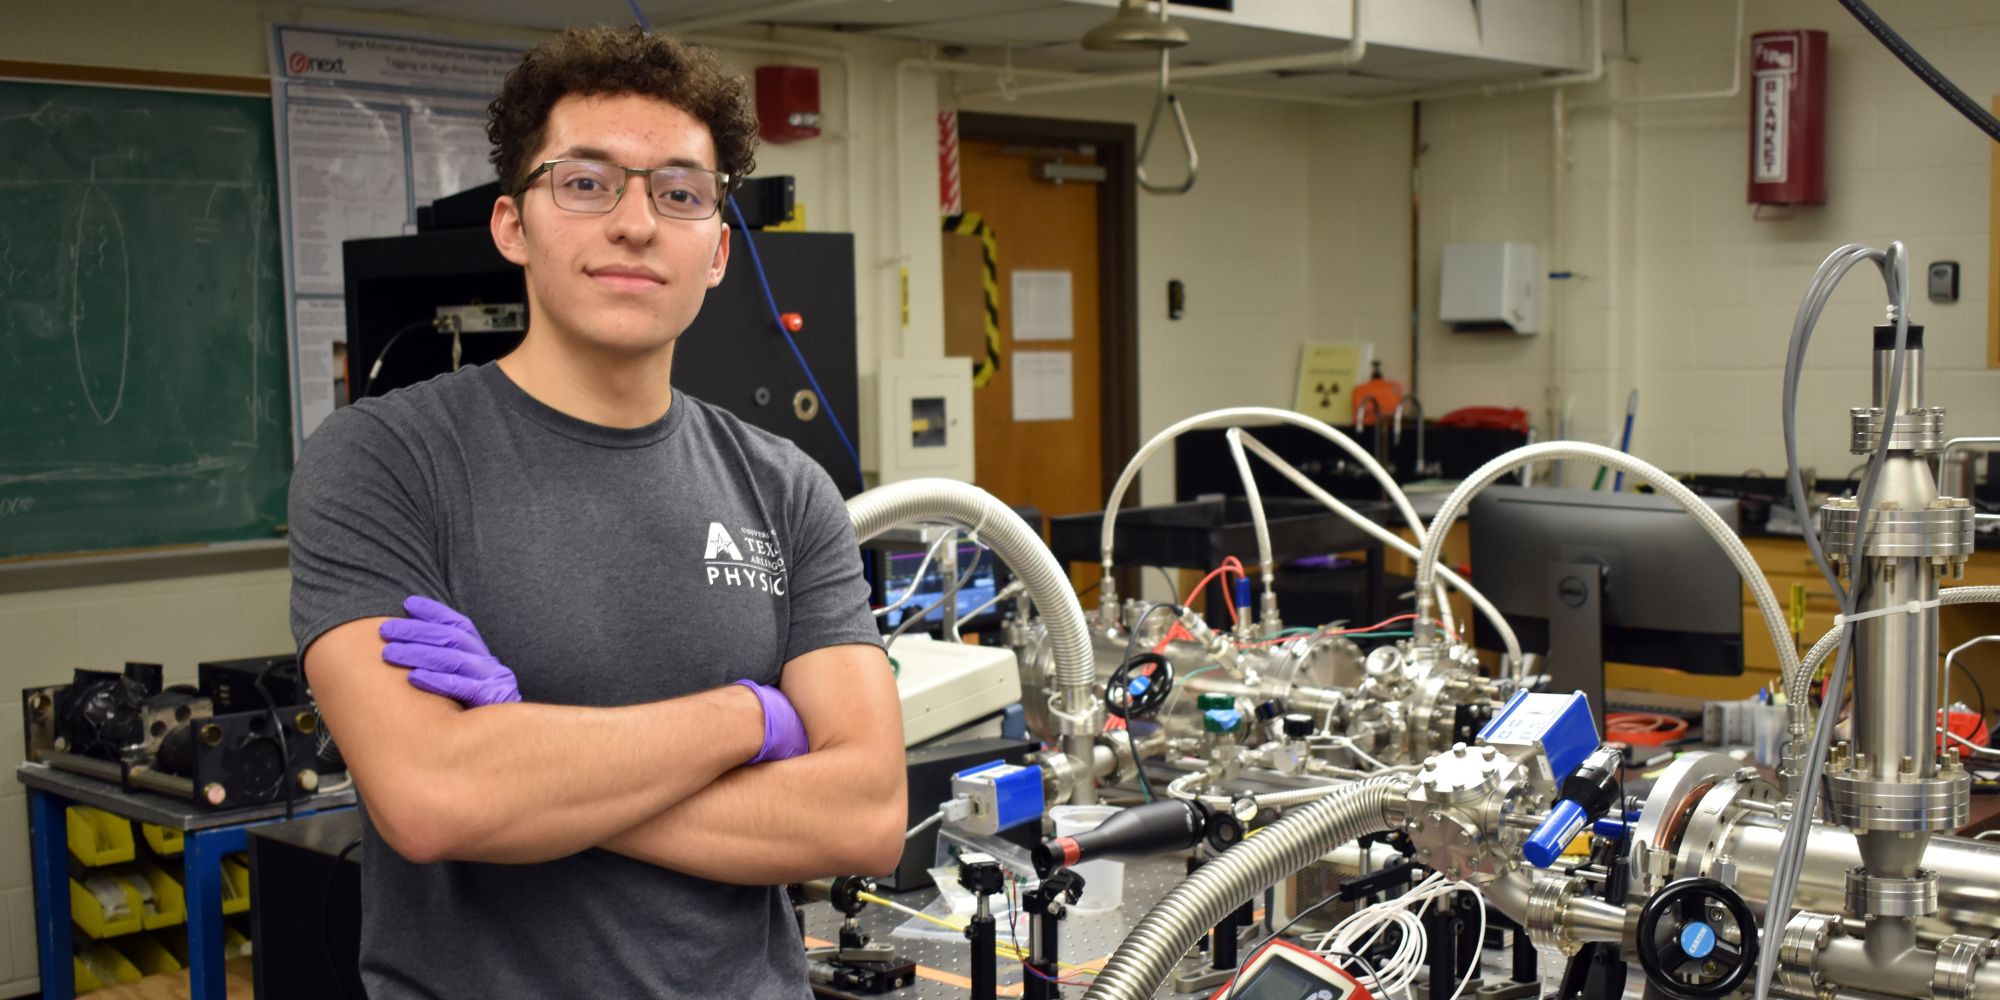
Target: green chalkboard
column 143, row 377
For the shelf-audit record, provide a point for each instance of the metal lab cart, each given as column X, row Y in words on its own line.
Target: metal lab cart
column 207, row 837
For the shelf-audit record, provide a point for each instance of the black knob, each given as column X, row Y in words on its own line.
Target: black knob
column 1224, row 831
column 1138, row 832
column 1139, row 687
column 1298, row 726
column 1689, row 954
column 1270, row 710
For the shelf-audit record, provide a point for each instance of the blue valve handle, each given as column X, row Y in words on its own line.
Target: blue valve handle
column 1549, row 840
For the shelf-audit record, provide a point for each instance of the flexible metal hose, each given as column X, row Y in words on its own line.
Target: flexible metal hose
column 1746, row 564
column 1801, row 688
column 1386, row 537
column 1176, row 922
column 1021, row 548
column 1230, row 417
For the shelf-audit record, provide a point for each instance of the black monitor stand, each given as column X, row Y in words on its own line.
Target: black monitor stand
column 1576, row 632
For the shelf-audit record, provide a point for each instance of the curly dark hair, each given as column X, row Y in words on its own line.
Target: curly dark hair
column 609, row 60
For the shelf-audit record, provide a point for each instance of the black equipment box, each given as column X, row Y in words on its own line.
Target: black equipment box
column 305, row 910
column 732, row 355
column 1199, row 534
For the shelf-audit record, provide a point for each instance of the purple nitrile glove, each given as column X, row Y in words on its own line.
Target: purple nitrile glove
column 446, row 656
column 784, row 734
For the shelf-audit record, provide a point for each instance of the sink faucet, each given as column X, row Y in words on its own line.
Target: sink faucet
column 1381, row 438
column 1396, row 422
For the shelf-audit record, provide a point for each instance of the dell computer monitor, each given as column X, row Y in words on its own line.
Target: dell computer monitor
column 1666, row 595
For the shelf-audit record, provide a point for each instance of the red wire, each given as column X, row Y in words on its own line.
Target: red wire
column 1352, row 631
column 1227, row 599
column 1229, row 565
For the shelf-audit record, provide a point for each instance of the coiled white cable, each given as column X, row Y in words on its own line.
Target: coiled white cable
column 1360, row 930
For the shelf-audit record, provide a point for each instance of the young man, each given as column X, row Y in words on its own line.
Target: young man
column 674, row 698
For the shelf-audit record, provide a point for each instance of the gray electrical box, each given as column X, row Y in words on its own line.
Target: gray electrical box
column 1944, row 281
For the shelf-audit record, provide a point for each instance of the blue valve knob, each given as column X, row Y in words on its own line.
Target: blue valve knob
column 1138, row 686
column 1221, row 720
column 1242, row 592
column 1697, row 939
column 1546, row 844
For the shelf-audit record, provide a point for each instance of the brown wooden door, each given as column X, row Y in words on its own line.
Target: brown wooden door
column 1038, row 225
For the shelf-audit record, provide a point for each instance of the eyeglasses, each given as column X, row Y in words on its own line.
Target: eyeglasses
column 688, row 193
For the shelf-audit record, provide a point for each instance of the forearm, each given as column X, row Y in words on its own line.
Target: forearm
column 521, row 783
column 830, row 812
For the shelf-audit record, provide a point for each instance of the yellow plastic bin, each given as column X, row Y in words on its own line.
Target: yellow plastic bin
column 97, row 837
column 86, row 980
column 148, row 954
column 106, row 904
column 235, row 884
column 108, row 966
column 164, row 898
column 165, row 841
column 235, row 943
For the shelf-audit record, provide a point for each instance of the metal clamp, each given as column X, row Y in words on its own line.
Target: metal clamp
column 1958, row 960
column 1919, row 430
column 1888, row 896
column 1805, row 937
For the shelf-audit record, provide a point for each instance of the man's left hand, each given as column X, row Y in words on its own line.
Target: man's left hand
column 446, row 655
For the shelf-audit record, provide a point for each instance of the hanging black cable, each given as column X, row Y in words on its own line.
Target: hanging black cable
column 1922, row 67
column 383, row 354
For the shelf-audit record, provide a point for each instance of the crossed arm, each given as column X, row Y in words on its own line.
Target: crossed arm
column 660, row 782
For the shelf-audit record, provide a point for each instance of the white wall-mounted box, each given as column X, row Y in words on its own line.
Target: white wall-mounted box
column 1489, row 284
column 919, row 411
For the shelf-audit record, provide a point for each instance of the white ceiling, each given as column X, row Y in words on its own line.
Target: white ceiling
column 1043, row 34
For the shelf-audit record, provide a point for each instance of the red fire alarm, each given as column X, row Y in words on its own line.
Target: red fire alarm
column 1788, row 118
column 787, row 103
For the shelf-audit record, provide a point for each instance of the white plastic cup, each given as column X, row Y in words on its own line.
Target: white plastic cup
column 1103, row 881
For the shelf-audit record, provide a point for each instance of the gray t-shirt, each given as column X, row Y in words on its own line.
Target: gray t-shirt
column 605, row 567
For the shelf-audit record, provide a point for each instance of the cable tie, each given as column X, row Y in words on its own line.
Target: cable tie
column 1079, row 719
column 1912, row 608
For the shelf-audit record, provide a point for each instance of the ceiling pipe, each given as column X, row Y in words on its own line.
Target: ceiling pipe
column 1734, row 89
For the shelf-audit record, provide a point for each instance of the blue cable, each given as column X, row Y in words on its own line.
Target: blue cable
column 771, row 301
column 641, row 15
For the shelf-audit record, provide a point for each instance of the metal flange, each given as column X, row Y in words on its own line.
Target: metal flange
column 1676, row 793
column 1958, row 960
column 1920, row 430
column 1805, row 937
column 1886, row 896
column 1547, row 903
column 1942, row 530
column 1864, row 802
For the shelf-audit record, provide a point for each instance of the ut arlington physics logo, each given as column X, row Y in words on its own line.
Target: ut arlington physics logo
column 756, row 564
column 300, row 64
